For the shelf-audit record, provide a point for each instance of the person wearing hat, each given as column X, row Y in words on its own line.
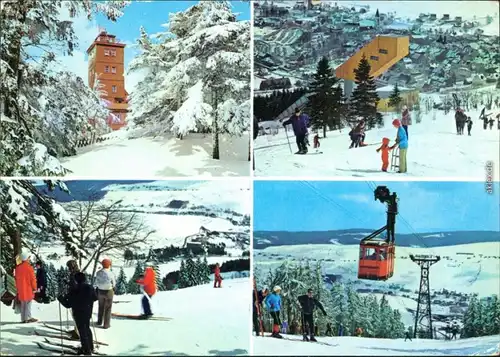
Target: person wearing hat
column 299, row 123
column 105, row 281
column 80, row 299
column 148, row 284
column 217, row 276
column 308, row 304
column 273, row 305
column 24, row 275
column 402, row 141
column 41, row 281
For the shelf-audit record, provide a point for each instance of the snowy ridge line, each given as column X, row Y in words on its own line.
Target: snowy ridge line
column 357, row 178
column 199, row 178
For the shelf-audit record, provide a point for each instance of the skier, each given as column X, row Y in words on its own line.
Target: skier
column 80, row 299
column 385, row 148
column 491, row 121
column 329, row 331
column 284, row 327
column 407, row 335
column 257, row 308
column 316, row 142
column 41, row 283
column 308, row 303
column 357, row 135
column 469, row 125
column 105, row 282
column 484, row 118
column 402, row 141
column 359, row 332
column 73, row 268
column 148, row 287
column 26, row 286
column 299, row 124
column 405, row 119
column 273, row 304
column 454, row 330
column 498, row 120
column 460, row 119
column 217, row 276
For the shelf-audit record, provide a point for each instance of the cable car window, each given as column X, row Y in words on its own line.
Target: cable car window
column 370, row 254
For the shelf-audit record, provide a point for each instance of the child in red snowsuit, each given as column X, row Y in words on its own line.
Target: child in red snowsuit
column 385, row 148
column 218, row 277
column 316, row 141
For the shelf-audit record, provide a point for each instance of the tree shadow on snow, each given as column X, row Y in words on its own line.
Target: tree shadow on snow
column 192, row 145
column 11, row 346
column 431, row 351
column 360, row 170
column 143, row 350
column 268, row 146
column 235, row 352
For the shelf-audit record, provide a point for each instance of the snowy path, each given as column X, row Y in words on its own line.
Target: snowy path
column 125, row 158
column 206, row 321
column 435, row 150
column 359, row 346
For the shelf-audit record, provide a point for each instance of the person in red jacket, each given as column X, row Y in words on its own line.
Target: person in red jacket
column 218, row 277
column 24, row 275
column 385, row 148
column 148, row 284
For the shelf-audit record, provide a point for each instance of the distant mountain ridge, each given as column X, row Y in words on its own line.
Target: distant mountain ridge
column 264, row 239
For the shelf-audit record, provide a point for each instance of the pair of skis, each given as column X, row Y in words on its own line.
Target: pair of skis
column 313, row 342
column 139, row 317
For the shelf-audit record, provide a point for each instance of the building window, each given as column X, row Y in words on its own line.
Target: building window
column 382, row 51
column 106, row 52
column 113, row 69
column 113, row 53
column 113, row 89
column 374, row 58
column 106, row 69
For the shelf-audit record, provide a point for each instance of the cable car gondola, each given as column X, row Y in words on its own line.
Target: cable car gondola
column 376, row 256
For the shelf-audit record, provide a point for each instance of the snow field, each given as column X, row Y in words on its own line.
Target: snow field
column 475, row 275
column 359, row 346
column 435, row 150
column 205, row 321
column 150, row 157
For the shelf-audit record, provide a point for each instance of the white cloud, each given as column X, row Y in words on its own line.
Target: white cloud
column 358, row 197
column 86, row 31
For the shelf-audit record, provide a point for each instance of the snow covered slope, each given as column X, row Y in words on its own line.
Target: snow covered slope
column 205, row 321
column 359, row 346
column 435, row 150
column 153, row 157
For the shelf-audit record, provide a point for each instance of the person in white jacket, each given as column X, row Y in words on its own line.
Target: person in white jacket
column 105, row 282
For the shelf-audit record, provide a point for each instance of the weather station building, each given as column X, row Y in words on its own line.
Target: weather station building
column 107, row 64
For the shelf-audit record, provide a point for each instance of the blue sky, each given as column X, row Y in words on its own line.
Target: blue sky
column 426, row 206
column 150, row 14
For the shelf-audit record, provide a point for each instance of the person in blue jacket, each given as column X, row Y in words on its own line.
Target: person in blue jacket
column 402, row 141
column 299, row 123
column 273, row 305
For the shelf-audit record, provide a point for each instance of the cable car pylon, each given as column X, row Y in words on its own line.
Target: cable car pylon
column 423, row 311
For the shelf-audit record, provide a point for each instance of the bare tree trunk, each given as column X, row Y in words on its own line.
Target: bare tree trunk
column 249, row 149
column 94, row 269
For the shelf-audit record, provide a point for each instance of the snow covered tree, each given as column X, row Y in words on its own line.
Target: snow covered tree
column 197, row 74
column 28, row 28
column 395, row 99
column 183, row 276
column 206, row 271
column 133, row 287
column 51, row 289
column 68, row 105
column 385, row 312
column 191, row 271
column 339, row 304
column 25, row 208
column 397, row 326
column 121, row 283
column 364, row 99
column 323, row 100
column 471, row 320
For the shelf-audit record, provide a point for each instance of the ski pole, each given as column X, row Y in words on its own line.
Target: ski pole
column 61, row 326
column 288, row 139
column 96, row 345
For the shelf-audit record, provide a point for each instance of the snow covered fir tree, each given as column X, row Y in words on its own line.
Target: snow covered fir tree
column 198, row 75
column 43, row 111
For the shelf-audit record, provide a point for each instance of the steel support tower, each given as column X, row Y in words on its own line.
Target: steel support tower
column 423, row 311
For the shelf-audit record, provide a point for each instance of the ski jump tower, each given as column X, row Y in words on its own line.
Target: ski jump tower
column 106, row 64
column 424, row 294
column 382, row 53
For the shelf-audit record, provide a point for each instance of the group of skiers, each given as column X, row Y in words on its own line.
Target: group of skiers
column 80, row 295
column 272, row 303
column 461, row 119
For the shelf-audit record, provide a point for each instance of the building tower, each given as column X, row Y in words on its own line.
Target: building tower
column 106, row 64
